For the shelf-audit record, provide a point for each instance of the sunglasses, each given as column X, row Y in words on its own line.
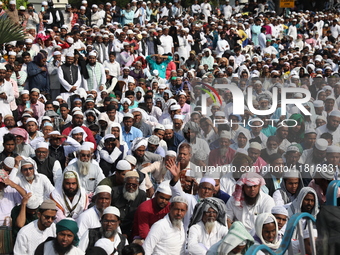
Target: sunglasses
column 85, row 155
column 49, row 217
column 133, row 185
column 27, row 169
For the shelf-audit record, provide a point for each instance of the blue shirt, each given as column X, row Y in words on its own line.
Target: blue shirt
column 160, row 67
column 128, row 137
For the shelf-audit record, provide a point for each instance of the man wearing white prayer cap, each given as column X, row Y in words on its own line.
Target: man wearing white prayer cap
column 97, row 76
column 90, row 218
column 6, row 94
column 314, row 156
column 168, row 236
column 90, row 174
column 151, row 211
column 224, row 154
column 172, row 139
column 254, row 152
column 46, row 164
column 52, row 68
column 69, row 77
column 153, row 145
column 107, row 235
column 332, row 127
column 281, row 215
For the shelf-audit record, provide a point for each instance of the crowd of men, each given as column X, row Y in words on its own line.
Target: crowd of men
column 119, row 133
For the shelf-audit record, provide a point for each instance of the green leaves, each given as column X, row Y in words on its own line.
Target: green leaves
column 10, row 31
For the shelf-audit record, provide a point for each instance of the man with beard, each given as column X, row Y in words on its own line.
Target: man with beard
column 272, row 146
column 272, row 173
column 151, row 211
column 91, row 218
column 248, row 201
column 139, row 122
column 256, row 133
column 127, row 198
column 36, row 232
column 314, row 156
column 29, row 179
column 46, row 164
column 254, row 152
column 153, row 146
column 223, row 155
column 69, row 77
column 8, row 147
column 21, row 140
column 207, row 226
column 172, row 139
column 70, row 197
column 144, row 157
column 281, row 135
column 97, row 77
column 66, row 241
column 110, row 155
column 90, row 174
column 110, row 222
column 332, row 127
column 167, row 236
column 200, row 148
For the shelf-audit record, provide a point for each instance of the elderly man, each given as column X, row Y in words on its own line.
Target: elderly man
column 167, row 236
column 110, row 221
column 254, row 152
column 21, row 142
column 172, row 139
column 207, row 226
column 151, row 211
column 200, row 148
column 140, row 123
column 331, row 127
column 66, row 241
column 29, row 179
column 223, row 155
column 127, row 198
column 153, row 146
column 138, row 150
column 248, row 201
column 36, row 232
column 69, row 196
column 237, row 241
column 272, row 146
column 91, row 217
column 46, row 164
column 90, row 174
column 281, row 135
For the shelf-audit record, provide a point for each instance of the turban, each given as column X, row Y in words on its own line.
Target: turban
column 21, row 132
column 138, row 142
column 249, row 179
column 71, row 225
column 193, row 126
column 78, row 130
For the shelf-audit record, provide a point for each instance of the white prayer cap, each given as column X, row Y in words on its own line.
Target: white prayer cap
column 70, row 40
column 255, row 145
column 84, row 147
column 335, row 113
column 333, row 149
column 22, row 8
column 208, row 180
column 12, row 53
column 12, row 2
column 32, row 120
column 182, row 93
column 44, row 3
column 108, row 136
column 28, row 40
column 179, row 199
column 291, row 173
column 93, row 53
column 131, row 159
column 318, row 103
column 171, row 153
column 280, row 209
column 126, row 100
column 128, row 115
column 55, row 103
column 319, row 117
column 103, row 189
column 33, row 202
column 2, row 66
column 175, row 107
column 90, row 144
column 123, row 165
column 105, row 244
column 42, row 145
column 162, row 86
column 9, row 162
column 84, row 2
column 159, row 127
column 78, row 113
column 168, row 127
column 56, row 53
column 129, row 32
column 154, row 140
column 111, row 209
column 24, row 92
column 70, row 54
column 83, row 7
column 164, row 188
column 54, row 133
column 219, row 114
column 155, row 72
column 310, row 131
column 94, row 6
column 178, row 117
column 225, row 134
column 321, row 144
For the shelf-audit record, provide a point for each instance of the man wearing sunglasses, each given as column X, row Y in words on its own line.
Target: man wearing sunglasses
column 36, row 232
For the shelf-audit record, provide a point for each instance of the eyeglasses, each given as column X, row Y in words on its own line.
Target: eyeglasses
column 110, row 222
column 133, row 185
column 211, row 212
column 41, row 152
column 85, row 155
column 27, row 169
column 49, row 217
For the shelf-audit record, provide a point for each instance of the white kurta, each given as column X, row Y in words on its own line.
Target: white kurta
column 88, row 219
column 49, row 250
column 163, row 238
column 199, row 241
column 5, row 108
column 29, row 237
column 10, row 199
column 247, row 214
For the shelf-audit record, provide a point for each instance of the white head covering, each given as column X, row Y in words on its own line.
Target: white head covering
column 265, row 218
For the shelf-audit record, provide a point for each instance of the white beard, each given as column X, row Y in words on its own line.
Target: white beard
column 30, row 178
column 223, row 151
column 84, row 167
column 272, row 151
column 19, row 148
column 209, row 226
column 177, row 223
column 130, row 196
